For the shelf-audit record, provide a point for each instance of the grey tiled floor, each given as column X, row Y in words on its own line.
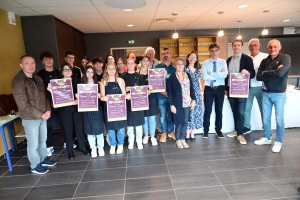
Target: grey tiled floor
column 210, row 169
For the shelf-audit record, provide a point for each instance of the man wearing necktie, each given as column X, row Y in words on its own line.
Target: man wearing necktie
column 214, row 72
column 238, row 63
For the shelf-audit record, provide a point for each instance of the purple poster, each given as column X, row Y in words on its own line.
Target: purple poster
column 239, row 85
column 87, row 97
column 157, row 79
column 139, row 98
column 62, row 92
column 116, row 107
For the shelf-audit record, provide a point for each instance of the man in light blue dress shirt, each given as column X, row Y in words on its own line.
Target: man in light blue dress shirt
column 214, row 72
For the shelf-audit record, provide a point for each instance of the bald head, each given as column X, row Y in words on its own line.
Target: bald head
column 274, row 47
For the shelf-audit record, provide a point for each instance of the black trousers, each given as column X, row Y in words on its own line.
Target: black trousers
column 210, row 95
column 71, row 119
column 238, row 106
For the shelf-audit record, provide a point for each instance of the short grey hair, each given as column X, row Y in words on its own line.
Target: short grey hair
column 253, row 39
column 149, row 48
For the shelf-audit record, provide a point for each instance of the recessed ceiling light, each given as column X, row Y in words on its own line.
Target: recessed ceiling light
column 127, row 10
column 286, row 20
column 242, row 6
column 130, row 25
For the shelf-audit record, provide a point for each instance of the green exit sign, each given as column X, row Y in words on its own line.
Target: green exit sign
column 130, row 41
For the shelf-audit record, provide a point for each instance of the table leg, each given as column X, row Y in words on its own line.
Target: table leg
column 12, row 138
column 6, row 149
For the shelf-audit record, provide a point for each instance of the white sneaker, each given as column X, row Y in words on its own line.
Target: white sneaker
column 65, row 145
column 112, row 150
column 263, row 141
column 277, row 147
column 140, row 145
column 145, row 139
column 50, row 150
column 101, row 152
column 120, row 149
column 130, row 145
column 74, row 146
column 153, row 141
column 94, row 153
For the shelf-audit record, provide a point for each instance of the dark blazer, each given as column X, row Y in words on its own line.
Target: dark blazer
column 175, row 97
column 245, row 63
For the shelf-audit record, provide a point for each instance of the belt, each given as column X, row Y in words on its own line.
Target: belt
column 215, row 87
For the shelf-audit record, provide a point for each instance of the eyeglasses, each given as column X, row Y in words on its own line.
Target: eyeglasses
column 70, row 57
column 67, row 70
column 254, row 45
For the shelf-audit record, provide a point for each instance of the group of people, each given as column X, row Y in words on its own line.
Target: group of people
column 176, row 113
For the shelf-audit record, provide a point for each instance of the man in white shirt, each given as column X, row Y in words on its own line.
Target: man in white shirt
column 255, row 85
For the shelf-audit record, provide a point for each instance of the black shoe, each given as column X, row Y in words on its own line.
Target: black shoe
column 247, row 130
column 205, row 135
column 71, row 156
column 219, row 134
column 299, row 189
column 187, row 139
column 193, row 139
column 85, row 152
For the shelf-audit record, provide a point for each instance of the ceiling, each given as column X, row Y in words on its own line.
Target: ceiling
column 92, row 16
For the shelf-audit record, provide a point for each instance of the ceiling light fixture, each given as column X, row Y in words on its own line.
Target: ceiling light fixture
column 221, row 31
column 286, row 20
column 239, row 37
column 130, row 25
column 242, row 6
column 175, row 34
column 127, row 10
column 265, row 31
column 125, row 4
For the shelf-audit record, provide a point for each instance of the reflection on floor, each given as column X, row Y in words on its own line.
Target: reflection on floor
column 210, row 169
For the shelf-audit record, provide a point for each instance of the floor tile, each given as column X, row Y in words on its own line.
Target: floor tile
column 268, row 161
column 18, row 153
column 148, row 160
column 107, row 163
column 228, row 164
column 104, row 174
column 3, row 170
column 257, row 150
column 280, row 172
column 14, row 194
column 262, row 190
column 147, row 151
column 288, row 187
column 183, row 157
column 23, row 161
column 100, row 188
column 148, row 184
column 51, row 192
column 78, row 157
column 19, row 170
column 239, row 176
column 188, row 167
column 104, row 197
column 60, row 178
column 214, row 155
column 3, row 163
column 194, row 180
column 174, row 149
column 147, row 171
column 157, row 195
column 18, row 181
column 69, row 166
column 207, row 193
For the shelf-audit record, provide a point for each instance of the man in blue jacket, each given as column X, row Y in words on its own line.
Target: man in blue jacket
column 238, row 63
column 273, row 72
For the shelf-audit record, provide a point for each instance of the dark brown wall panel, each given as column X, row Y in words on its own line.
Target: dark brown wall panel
column 79, row 46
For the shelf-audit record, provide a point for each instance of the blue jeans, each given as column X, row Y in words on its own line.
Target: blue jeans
column 238, row 106
column 96, row 141
column 36, row 135
column 278, row 100
column 165, row 116
column 257, row 93
column 120, row 136
column 152, row 125
column 138, row 133
column 180, row 130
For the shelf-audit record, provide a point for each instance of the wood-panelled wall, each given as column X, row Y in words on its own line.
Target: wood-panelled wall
column 69, row 39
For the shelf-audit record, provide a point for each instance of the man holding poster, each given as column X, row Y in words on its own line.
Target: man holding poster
column 243, row 64
column 30, row 95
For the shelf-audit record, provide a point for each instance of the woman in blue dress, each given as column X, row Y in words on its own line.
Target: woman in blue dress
column 196, row 115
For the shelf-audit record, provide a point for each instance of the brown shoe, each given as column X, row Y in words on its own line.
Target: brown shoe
column 172, row 135
column 241, row 139
column 179, row 144
column 163, row 138
column 158, row 131
column 232, row 134
column 184, row 144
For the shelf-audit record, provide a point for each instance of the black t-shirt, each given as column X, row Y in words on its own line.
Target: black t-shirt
column 47, row 76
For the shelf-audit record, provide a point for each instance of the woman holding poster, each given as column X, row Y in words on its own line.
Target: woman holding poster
column 150, row 115
column 70, row 117
column 182, row 99
column 112, row 84
column 93, row 121
column 134, row 118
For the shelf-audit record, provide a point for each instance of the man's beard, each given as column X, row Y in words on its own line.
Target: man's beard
column 166, row 58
